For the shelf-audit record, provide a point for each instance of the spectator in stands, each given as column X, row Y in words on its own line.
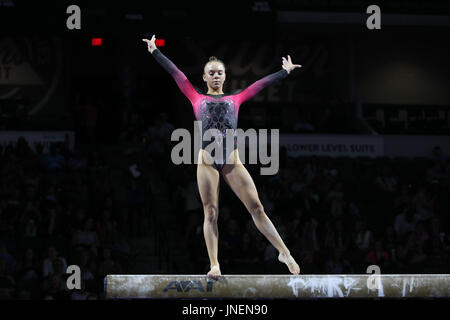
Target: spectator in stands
column 390, row 239
column 436, row 173
column 438, row 257
column 7, row 283
column 405, row 221
column 131, row 126
column 92, row 296
column 48, row 264
column 159, row 139
column 28, row 222
column 404, row 198
column 335, row 200
column 362, row 236
column 78, row 191
column 437, row 231
column 337, row 264
column 353, row 209
column 88, row 268
column 331, row 172
column 341, row 237
column 438, row 155
column 136, row 207
column 96, row 160
column 294, row 225
column 406, row 250
column 54, row 159
column 27, row 275
column 378, row 256
column 55, row 286
column 307, row 232
column 51, row 223
column 76, row 161
column 10, row 261
column 78, row 220
column 108, row 265
column 421, row 236
column 423, row 204
column 28, row 266
column 310, row 263
column 107, row 228
column 418, row 258
column 110, row 204
column 165, row 130
column 447, row 169
column 79, row 294
column 86, row 237
column 398, row 263
column 89, row 110
column 310, row 172
column 385, row 181
column 329, row 241
column 30, row 195
column 23, row 150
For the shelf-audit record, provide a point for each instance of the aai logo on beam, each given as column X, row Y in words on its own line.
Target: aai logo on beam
column 186, row 286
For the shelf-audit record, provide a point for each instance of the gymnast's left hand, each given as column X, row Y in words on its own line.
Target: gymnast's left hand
column 288, row 65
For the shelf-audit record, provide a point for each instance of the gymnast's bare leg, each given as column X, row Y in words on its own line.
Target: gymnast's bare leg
column 208, row 185
column 240, row 181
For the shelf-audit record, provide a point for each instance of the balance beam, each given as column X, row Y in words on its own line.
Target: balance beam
column 278, row 286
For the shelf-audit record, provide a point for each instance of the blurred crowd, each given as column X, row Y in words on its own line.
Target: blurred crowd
column 60, row 208
column 337, row 216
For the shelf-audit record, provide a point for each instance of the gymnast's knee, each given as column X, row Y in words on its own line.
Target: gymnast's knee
column 211, row 213
column 257, row 210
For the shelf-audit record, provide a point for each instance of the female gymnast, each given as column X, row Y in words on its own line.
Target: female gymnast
column 218, row 110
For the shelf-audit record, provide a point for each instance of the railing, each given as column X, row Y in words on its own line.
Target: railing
column 408, row 119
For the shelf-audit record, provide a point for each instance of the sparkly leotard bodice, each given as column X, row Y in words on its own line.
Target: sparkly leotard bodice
column 216, row 111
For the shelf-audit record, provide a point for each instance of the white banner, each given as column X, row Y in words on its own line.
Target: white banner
column 42, row 137
column 342, row 145
column 332, row 145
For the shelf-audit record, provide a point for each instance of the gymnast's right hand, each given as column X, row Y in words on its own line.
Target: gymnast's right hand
column 150, row 43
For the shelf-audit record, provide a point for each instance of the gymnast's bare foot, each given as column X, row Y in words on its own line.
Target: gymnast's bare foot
column 214, row 273
column 290, row 262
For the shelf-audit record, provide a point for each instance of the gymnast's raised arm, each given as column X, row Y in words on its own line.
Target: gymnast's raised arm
column 256, row 87
column 179, row 77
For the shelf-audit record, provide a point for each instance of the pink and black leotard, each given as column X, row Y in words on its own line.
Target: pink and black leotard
column 216, row 111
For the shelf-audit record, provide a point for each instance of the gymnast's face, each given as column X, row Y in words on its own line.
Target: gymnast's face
column 214, row 75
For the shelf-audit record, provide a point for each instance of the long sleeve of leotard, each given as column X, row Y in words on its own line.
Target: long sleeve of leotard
column 256, row 87
column 182, row 81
